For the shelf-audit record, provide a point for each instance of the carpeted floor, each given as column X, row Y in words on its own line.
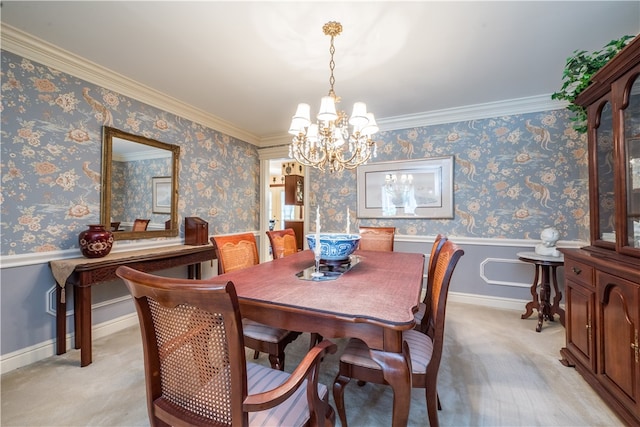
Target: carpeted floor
column 496, row 371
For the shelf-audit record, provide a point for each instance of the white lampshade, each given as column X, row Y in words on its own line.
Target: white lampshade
column 359, row 115
column 303, row 112
column 312, row 133
column 327, row 109
column 298, row 125
column 371, row 127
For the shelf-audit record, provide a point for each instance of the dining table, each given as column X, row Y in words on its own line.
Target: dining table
column 374, row 299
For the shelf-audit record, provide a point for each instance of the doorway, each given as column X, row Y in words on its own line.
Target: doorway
column 283, row 197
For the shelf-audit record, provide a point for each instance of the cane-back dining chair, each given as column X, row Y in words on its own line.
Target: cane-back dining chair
column 240, row 251
column 196, row 372
column 435, row 251
column 283, row 242
column 140, row 224
column 425, row 348
column 377, row 238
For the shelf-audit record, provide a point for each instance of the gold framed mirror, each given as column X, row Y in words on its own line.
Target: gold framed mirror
column 139, row 186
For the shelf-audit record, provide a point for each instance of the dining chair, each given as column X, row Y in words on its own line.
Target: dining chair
column 283, row 242
column 435, row 251
column 424, row 348
column 240, row 251
column 376, row 238
column 140, row 224
column 195, row 366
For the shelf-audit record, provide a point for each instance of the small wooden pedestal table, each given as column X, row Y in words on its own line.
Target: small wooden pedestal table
column 83, row 273
column 546, row 271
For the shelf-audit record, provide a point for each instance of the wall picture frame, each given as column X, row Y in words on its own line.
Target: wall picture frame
column 406, row 189
column 161, row 190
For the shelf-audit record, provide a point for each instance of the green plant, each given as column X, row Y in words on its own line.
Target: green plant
column 577, row 73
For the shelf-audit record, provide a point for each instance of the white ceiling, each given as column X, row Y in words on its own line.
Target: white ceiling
column 251, row 63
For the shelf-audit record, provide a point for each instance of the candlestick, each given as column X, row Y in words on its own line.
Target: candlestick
column 348, row 224
column 318, row 229
column 317, row 250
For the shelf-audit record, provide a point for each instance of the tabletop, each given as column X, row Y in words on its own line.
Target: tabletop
column 383, row 288
column 533, row 256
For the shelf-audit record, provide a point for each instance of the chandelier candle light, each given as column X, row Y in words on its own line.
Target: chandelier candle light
column 329, row 142
column 317, row 252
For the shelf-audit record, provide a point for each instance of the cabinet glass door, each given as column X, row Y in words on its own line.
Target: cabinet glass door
column 604, row 168
column 632, row 166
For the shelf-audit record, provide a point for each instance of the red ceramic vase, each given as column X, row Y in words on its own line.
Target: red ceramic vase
column 95, row 242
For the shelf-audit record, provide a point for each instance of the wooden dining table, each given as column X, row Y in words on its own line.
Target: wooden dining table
column 375, row 301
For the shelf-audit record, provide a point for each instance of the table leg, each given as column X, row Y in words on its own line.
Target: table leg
column 84, row 314
column 77, row 324
column 194, row 271
column 555, row 308
column 397, row 372
column 61, row 322
column 545, row 292
column 534, row 297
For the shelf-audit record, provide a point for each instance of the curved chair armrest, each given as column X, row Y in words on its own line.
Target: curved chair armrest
column 308, row 367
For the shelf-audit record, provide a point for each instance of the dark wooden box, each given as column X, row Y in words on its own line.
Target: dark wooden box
column 196, row 231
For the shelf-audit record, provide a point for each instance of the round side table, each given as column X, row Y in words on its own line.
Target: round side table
column 545, row 271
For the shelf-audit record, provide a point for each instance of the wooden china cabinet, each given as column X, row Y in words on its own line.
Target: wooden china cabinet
column 602, row 280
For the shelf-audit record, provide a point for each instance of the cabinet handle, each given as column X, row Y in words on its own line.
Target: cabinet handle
column 635, row 346
column 576, row 270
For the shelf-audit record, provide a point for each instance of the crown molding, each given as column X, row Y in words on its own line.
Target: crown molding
column 508, row 107
column 35, row 49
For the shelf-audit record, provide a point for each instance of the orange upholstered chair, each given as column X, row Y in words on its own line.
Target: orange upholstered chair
column 239, row 251
column 283, row 242
column 425, row 348
column 140, row 224
column 377, row 238
column 196, row 372
column 433, row 257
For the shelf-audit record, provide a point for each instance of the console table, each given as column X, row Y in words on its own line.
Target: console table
column 546, row 267
column 82, row 273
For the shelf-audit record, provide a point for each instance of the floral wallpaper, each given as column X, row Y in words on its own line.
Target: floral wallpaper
column 51, row 132
column 513, row 176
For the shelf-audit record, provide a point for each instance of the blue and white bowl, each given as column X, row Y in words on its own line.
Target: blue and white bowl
column 334, row 246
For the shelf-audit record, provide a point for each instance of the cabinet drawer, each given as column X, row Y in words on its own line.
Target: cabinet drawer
column 578, row 272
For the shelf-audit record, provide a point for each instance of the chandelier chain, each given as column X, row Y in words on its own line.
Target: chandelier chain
column 332, row 66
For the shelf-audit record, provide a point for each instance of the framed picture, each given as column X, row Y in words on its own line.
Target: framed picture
column 161, row 190
column 406, row 189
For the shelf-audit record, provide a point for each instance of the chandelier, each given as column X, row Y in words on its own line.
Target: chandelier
column 329, row 142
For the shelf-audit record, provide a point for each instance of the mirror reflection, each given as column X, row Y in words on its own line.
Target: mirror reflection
column 139, row 186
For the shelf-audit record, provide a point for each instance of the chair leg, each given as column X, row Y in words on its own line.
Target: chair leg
column 439, row 406
column 256, row 354
column 277, row 361
column 433, row 404
column 315, row 339
column 338, row 397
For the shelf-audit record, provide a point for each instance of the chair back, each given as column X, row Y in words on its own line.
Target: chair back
column 235, row 252
column 283, row 242
column 433, row 258
column 195, row 366
column 140, row 224
column 433, row 320
column 376, row 238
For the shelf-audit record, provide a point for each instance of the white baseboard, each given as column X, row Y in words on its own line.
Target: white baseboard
column 28, row 355
column 487, row 301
